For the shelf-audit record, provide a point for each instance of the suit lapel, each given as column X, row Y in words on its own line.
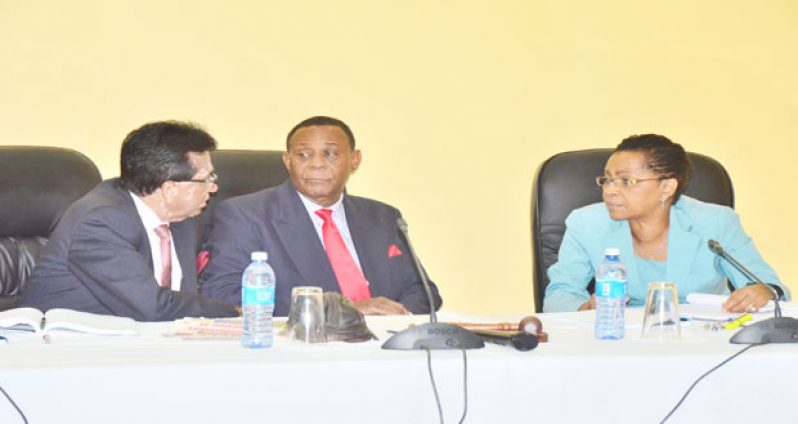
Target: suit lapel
column 683, row 247
column 370, row 244
column 184, row 246
column 295, row 230
column 621, row 237
column 124, row 199
column 183, row 238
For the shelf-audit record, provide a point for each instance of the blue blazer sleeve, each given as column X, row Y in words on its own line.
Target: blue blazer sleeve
column 734, row 240
column 569, row 277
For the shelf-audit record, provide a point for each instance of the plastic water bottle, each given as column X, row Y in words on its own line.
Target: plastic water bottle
column 611, row 289
column 257, row 302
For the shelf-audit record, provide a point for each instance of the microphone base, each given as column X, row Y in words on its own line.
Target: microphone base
column 434, row 336
column 771, row 330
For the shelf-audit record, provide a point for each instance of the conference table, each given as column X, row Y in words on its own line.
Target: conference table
column 573, row 378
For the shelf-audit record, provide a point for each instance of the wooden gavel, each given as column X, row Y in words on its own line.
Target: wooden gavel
column 528, row 324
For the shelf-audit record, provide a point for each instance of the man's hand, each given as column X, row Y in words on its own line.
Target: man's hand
column 748, row 299
column 381, row 306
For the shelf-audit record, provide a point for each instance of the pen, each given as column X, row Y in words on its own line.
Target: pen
column 711, row 319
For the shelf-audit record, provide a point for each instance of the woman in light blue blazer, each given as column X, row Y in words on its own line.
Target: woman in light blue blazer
column 662, row 235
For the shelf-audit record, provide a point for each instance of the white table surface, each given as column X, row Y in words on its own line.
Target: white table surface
column 574, row 378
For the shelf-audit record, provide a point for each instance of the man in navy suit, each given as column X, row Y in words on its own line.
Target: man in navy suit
column 127, row 247
column 315, row 233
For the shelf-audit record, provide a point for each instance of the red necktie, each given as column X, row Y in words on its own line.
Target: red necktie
column 166, row 254
column 350, row 278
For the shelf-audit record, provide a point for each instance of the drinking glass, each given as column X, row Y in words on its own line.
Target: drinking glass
column 306, row 315
column 661, row 315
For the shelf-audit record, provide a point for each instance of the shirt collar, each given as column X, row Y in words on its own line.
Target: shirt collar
column 312, row 207
column 148, row 217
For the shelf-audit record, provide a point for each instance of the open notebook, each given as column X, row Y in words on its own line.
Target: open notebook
column 31, row 319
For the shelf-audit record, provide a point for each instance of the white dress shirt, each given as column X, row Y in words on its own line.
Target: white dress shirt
column 151, row 222
column 339, row 217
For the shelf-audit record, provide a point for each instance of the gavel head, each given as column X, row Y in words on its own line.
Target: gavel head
column 531, row 325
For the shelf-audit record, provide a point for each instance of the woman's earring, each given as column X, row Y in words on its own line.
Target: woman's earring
column 662, row 203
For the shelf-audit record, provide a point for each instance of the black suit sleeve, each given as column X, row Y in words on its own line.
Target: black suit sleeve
column 386, row 257
column 411, row 293
column 233, row 239
column 104, row 257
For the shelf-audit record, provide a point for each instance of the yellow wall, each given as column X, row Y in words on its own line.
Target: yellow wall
column 454, row 103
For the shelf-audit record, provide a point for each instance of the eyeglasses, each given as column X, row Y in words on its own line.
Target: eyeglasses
column 623, row 182
column 210, row 179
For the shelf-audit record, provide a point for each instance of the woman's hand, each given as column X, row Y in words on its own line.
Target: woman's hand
column 748, row 299
column 590, row 304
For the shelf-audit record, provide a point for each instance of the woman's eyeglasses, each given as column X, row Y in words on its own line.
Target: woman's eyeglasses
column 623, row 182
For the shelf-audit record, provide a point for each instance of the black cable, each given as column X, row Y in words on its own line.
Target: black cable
column 434, row 388
column 725, row 361
column 14, row 404
column 465, row 387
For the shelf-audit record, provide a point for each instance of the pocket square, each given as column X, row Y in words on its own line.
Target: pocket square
column 393, row 251
column 203, row 257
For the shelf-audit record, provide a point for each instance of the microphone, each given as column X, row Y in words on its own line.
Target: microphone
column 402, row 225
column 520, row 340
column 433, row 335
column 716, row 247
column 772, row 330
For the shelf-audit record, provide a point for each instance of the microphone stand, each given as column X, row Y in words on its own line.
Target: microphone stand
column 433, row 335
column 772, row 330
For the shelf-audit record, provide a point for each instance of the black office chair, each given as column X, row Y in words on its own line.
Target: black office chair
column 567, row 181
column 37, row 184
column 247, row 171
column 242, row 172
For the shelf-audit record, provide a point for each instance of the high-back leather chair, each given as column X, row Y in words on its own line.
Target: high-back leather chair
column 242, row 172
column 567, row 181
column 37, row 184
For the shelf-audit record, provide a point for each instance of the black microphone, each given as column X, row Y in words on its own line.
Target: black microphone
column 716, row 247
column 402, row 225
column 433, row 335
column 520, row 340
column 772, row 330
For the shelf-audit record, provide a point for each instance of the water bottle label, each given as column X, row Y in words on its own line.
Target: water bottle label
column 611, row 288
column 263, row 295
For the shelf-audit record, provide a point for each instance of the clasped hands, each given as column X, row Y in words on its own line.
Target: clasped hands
column 375, row 306
column 381, row 305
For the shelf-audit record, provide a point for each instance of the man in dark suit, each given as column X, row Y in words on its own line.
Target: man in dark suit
column 125, row 248
column 315, row 233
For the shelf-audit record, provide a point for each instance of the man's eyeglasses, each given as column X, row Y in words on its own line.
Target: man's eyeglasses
column 623, row 182
column 210, row 179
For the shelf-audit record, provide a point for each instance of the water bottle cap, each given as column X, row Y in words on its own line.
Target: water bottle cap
column 259, row 256
column 612, row 251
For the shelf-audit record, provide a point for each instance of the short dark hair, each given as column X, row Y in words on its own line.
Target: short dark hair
column 158, row 152
column 663, row 156
column 318, row 121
